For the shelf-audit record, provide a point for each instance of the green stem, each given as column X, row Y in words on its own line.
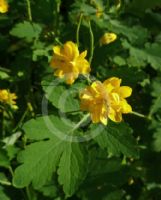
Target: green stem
column 11, row 170
column 5, row 70
column 28, row 193
column 80, row 122
column 58, row 41
column 56, row 18
column 140, row 115
column 91, row 43
column 78, row 29
column 21, row 120
column 29, row 10
column 87, row 76
column 3, row 124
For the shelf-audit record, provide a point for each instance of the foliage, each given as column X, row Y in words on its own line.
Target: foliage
column 50, row 149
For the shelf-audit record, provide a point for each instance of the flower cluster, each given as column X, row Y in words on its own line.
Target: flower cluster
column 3, row 6
column 9, row 98
column 102, row 100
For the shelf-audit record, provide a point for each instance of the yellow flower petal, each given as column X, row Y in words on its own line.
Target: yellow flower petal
column 116, row 98
column 71, row 50
column 57, row 49
column 103, row 120
column 125, row 91
column 59, row 73
column 115, row 116
column 83, row 54
column 126, row 108
column 114, row 81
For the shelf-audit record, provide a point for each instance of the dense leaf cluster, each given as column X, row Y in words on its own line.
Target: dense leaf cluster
column 46, row 153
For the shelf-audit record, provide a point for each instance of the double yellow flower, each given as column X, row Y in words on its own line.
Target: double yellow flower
column 69, row 63
column 102, row 100
column 106, row 100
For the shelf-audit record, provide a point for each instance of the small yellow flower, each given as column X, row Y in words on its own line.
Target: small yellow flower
column 106, row 100
column 69, row 63
column 108, row 38
column 3, row 6
column 8, row 98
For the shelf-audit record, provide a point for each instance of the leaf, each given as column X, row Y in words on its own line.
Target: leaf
column 49, row 190
column 131, row 77
column 153, row 55
column 39, row 162
column 3, row 195
column 3, row 179
column 4, row 161
column 81, row 7
column 71, row 161
column 119, row 61
column 11, row 140
column 117, row 138
column 139, row 6
column 150, row 54
column 105, row 177
column 157, row 140
column 136, row 34
column 156, row 94
column 26, row 30
column 117, row 194
column 41, row 159
column 3, row 75
column 61, row 96
column 12, row 151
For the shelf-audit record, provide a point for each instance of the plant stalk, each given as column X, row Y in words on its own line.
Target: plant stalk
column 29, row 10
column 78, row 29
column 91, row 43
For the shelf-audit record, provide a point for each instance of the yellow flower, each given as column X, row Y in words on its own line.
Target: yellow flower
column 3, row 6
column 68, row 62
column 106, row 100
column 8, row 98
column 108, row 38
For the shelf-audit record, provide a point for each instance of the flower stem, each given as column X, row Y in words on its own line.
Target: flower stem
column 140, row 115
column 19, row 124
column 91, row 43
column 80, row 122
column 58, row 41
column 3, row 124
column 28, row 193
column 78, row 28
column 29, row 10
